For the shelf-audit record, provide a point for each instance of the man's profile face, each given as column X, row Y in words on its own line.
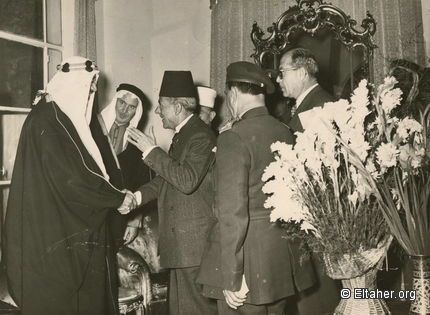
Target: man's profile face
column 93, row 86
column 166, row 110
column 288, row 79
column 206, row 114
column 125, row 108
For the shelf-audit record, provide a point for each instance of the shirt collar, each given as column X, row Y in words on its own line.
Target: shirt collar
column 120, row 125
column 182, row 124
column 304, row 94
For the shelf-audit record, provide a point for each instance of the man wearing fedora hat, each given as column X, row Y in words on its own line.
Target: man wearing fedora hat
column 248, row 265
column 207, row 98
column 183, row 188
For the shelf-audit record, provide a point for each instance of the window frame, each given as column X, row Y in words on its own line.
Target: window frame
column 44, row 44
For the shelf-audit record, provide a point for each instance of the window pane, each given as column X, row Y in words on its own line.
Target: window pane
column 55, row 57
column 21, row 68
column 22, row 17
column 53, row 16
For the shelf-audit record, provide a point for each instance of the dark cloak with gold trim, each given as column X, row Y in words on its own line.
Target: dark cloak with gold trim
column 57, row 252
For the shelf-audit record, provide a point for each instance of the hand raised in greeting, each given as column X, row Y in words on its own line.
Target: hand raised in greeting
column 141, row 140
column 129, row 203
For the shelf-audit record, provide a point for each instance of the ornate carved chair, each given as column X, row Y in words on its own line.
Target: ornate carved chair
column 343, row 51
column 143, row 283
column 135, row 291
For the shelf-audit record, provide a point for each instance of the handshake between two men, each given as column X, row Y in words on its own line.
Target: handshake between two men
column 129, row 203
column 143, row 142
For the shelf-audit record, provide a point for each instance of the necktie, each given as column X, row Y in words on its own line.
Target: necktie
column 174, row 142
column 293, row 110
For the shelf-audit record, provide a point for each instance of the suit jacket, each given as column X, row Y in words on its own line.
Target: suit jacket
column 185, row 194
column 323, row 297
column 244, row 241
column 316, row 98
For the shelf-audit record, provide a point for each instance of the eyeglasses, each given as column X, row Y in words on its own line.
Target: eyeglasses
column 281, row 72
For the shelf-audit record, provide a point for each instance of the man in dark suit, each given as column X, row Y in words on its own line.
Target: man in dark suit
column 183, row 188
column 248, row 264
column 297, row 78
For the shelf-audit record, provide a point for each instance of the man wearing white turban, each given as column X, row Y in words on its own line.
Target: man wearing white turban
column 57, row 252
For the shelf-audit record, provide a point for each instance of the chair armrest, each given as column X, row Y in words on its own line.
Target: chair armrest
column 132, row 262
column 128, row 259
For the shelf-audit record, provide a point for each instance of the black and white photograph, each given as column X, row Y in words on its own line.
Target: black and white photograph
column 215, row 157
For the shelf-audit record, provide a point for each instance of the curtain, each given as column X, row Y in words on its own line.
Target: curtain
column 399, row 32
column 85, row 29
column 230, row 36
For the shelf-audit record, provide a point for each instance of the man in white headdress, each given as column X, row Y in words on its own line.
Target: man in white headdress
column 123, row 161
column 57, row 252
column 206, row 104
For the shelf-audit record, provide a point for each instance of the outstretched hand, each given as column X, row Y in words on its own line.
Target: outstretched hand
column 129, row 203
column 141, row 140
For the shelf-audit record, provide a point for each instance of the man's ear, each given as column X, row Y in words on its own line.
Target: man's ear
column 234, row 94
column 302, row 73
column 212, row 115
column 178, row 108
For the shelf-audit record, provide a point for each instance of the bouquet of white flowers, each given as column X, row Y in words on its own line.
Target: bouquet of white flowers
column 357, row 174
column 397, row 172
column 315, row 185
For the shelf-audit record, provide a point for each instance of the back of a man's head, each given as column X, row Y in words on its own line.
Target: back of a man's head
column 249, row 78
column 247, row 88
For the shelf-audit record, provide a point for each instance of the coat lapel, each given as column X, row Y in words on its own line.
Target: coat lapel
column 182, row 136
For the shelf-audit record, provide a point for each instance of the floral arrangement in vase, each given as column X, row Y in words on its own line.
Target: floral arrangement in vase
column 397, row 174
column 317, row 186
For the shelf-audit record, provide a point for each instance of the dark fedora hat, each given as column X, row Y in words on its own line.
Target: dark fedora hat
column 244, row 71
column 178, row 84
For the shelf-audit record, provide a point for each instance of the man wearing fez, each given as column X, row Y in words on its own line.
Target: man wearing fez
column 123, row 161
column 183, row 188
column 206, row 104
column 297, row 78
column 248, row 265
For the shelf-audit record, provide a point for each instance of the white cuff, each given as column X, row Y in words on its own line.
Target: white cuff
column 138, row 196
column 144, row 154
